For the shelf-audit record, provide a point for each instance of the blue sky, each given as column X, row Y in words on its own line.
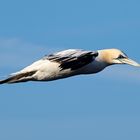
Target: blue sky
column 103, row 106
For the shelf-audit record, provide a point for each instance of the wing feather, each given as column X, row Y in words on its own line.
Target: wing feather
column 72, row 59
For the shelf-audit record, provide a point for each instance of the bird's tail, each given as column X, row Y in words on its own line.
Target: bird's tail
column 21, row 77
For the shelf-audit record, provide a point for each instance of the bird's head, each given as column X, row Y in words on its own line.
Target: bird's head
column 115, row 56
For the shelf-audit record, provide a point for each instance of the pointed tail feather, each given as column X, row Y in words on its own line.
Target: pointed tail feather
column 23, row 77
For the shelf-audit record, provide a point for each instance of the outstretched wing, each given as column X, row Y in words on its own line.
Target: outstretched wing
column 72, row 59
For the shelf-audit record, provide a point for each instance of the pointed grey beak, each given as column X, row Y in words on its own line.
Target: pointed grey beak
column 130, row 62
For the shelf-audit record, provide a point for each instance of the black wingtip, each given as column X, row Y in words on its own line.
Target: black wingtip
column 5, row 81
column 22, row 77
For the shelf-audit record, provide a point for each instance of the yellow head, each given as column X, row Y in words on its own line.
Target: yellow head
column 115, row 56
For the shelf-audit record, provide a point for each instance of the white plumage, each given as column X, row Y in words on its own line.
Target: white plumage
column 69, row 63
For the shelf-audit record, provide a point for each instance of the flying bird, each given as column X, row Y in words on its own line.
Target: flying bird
column 68, row 63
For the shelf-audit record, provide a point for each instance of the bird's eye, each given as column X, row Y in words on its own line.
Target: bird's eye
column 121, row 57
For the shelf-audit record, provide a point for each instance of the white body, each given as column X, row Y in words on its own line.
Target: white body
column 69, row 63
column 47, row 71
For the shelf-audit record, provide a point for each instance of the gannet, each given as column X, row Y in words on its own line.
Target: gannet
column 68, row 63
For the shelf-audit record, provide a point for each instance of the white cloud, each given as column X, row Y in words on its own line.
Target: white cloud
column 15, row 52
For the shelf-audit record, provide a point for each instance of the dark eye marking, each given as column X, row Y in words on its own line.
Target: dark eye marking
column 121, row 57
